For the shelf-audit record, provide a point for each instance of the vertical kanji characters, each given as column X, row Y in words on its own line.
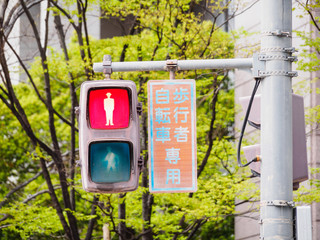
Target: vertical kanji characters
column 172, row 135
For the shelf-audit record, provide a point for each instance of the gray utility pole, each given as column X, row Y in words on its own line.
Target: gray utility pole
column 276, row 121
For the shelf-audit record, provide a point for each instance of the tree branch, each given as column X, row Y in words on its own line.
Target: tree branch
column 210, row 134
column 22, row 185
column 33, row 196
column 14, row 14
column 64, row 13
column 58, row 159
column 199, row 223
column 312, row 17
column 33, row 83
column 92, row 221
column 54, row 199
column 73, row 97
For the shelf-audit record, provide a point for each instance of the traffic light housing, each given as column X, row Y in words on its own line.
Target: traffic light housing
column 300, row 162
column 109, row 140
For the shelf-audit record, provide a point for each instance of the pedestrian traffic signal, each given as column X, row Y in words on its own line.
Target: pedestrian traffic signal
column 109, row 142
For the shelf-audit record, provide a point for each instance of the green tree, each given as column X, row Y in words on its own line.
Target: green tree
column 41, row 128
column 309, row 62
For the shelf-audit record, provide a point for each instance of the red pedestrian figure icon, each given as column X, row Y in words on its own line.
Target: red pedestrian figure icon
column 108, row 104
column 109, row 108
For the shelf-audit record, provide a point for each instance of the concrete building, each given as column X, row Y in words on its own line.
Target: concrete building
column 23, row 40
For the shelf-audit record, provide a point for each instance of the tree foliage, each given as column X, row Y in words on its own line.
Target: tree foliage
column 42, row 195
column 309, row 62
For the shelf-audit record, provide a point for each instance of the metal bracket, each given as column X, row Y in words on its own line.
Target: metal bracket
column 292, row 58
column 264, row 74
column 78, row 163
column 278, row 33
column 139, row 108
column 259, row 61
column 259, row 66
column 277, row 203
column 172, row 66
column 264, row 57
column 140, row 163
column 107, row 70
column 290, row 50
column 77, row 111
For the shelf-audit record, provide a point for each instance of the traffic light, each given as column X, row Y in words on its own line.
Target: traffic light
column 300, row 164
column 109, row 142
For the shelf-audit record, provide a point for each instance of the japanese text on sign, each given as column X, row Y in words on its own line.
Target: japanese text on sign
column 172, row 136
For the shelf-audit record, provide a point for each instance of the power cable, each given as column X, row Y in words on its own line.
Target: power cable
column 244, row 124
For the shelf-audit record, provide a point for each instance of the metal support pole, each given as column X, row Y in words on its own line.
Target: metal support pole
column 181, row 65
column 276, row 121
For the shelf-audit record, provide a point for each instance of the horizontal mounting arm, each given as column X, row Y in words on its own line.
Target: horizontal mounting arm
column 181, row 64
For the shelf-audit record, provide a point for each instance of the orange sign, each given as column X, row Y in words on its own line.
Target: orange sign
column 172, row 136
